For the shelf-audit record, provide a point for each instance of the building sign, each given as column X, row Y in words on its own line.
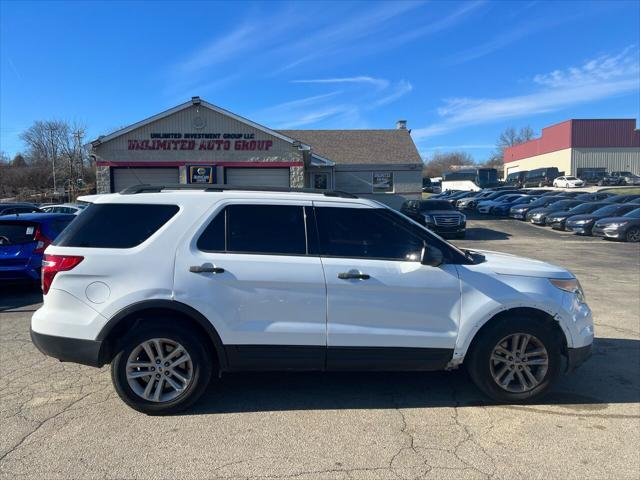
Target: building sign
column 200, row 141
column 201, row 174
column 382, row 182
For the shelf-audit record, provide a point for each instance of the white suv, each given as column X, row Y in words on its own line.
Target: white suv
column 171, row 285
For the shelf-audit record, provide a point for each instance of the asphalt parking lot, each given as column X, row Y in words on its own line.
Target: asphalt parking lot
column 65, row 421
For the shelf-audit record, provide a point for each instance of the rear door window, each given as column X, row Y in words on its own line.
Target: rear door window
column 15, row 233
column 257, row 229
column 115, row 225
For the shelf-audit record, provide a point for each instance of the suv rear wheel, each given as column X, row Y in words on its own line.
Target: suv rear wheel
column 161, row 369
column 515, row 360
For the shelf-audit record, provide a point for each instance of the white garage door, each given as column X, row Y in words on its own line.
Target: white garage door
column 128, row 177
column 257, row 177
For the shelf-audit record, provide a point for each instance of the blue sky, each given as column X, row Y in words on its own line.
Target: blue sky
column 459, row 72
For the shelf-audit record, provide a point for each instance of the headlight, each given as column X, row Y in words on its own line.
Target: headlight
column 580, row 222
column 571, row 285
column 428, row 218
column 615, row 225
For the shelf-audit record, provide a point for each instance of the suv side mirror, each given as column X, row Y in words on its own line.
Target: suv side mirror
column 431, row 256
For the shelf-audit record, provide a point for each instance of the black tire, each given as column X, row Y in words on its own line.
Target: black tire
column 202, row 362
column 479, row 358
column 633, row 234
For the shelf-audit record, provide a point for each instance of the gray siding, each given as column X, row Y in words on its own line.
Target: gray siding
column 360, row 181
column 612, row 159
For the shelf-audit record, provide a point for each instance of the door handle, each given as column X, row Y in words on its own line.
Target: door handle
column 206, row 268
column 353, row 275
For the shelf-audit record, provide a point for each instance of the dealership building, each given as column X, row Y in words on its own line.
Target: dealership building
column 578, row 147
column 197, row 142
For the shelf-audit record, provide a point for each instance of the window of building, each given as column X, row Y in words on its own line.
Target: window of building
column 382, row 182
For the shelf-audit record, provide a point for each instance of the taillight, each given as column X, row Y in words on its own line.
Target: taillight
column 43, row 241
column 52, row 264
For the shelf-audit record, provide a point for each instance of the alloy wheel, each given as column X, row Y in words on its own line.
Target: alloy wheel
column 519, row 362
column 159, row 370
column 633, row 235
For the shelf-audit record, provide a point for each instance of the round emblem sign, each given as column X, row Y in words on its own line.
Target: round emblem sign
column 201, row 171
column 199, row 123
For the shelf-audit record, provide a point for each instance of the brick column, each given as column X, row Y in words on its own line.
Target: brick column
column 296, row 177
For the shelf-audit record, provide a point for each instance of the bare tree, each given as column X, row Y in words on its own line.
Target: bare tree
column 510, row 137
column 58, row 145
column 443, row 162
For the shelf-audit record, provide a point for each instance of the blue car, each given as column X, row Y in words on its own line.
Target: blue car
column 503, row 208
column 23, row 239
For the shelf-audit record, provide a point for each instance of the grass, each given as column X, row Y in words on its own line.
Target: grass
column 622, row 191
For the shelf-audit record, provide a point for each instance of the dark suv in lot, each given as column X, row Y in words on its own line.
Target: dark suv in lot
column 437, row 215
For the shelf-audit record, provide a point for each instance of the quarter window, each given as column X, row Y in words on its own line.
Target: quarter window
column 115, row 225
column 366, row 233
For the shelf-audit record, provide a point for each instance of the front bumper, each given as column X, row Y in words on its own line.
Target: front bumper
column 453, row 230
column 538, row 220
column 517, row 215
column 85, row 352
column 557, row 225
column 606, row 232
column 577, row 356
column 579, row 229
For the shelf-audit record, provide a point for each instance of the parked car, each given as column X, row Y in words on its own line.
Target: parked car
column 583, row 224
column 71, row 208
column 13, row 208
column 622, row 198
column 556, row 220
column 568, row 181
column 463, row 203
column 626, row 227
column 541, row 177
column 503, row 208
column 23, row 239
column 473, row 203
column 620, row 178
column 446, row 194
column 515, row 179
column 344, row 284
column 485, row 206
column 594, row 197
column 452, row 199
column 437, row 215
column 538, row 216
column 592, row 176
column 520, row 211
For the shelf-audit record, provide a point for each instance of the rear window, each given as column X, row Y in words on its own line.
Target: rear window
column 115, row 225
column 14, row 233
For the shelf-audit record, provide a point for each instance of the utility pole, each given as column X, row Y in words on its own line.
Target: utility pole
column 53, row 157
column 77, row 135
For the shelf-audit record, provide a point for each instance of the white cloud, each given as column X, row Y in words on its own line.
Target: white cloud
column 399, row 90
column 603, row 77
column 378, row 82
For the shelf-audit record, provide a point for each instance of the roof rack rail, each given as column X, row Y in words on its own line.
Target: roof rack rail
column 148, row 188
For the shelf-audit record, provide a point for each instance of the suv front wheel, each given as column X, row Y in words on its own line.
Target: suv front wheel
column 515, row 360
column 161, row 369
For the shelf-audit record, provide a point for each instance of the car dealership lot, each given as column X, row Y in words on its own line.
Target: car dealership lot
column 65, row 420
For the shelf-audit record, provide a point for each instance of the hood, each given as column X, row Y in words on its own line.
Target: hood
column 586, row 216
column 608, row 220
column 506, row 264
column 440, row 212
column 561, row 214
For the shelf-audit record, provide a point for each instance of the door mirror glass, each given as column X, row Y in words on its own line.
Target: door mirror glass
column 432, row 256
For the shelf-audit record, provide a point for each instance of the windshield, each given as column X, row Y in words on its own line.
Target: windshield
column 570, row 178
column 487, row 177
column 565, row 204
column 633, row 213
column 587, row 207
column 606, row 210
column 435, row 205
